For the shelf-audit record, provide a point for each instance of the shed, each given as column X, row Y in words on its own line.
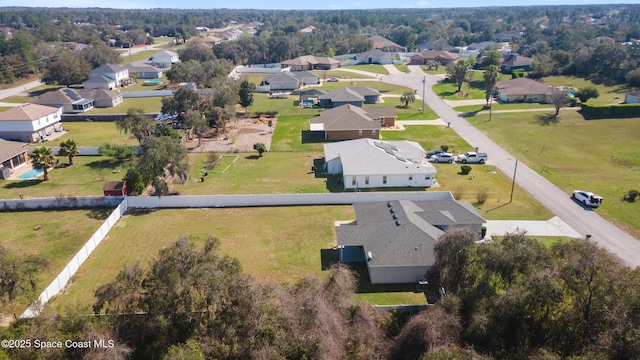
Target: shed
column 115, row 188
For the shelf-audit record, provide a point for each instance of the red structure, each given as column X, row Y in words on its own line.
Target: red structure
column 115, row 188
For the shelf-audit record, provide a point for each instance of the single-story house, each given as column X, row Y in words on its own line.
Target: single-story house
column 484, row 46
column 369, row 163
column 513, row 62
column 309, row 30
column 309, row 62
column 632, row 97
column 523, row 90
column 30, row 122
column 507, row 37
column 115, row 188
column 396, row 238
column 357, row 96
column 80, row 100
column 442, row 57
column 13, row 155
column 375, row 56
column 289, row 80
column 164, row 59
column 119, row 74
column 211, row 40
column 386, row 45
column 440, row 45
column 352, row 122
column 144, row 71
column 100, row 82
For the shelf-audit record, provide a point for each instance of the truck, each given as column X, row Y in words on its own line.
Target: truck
column 472, row 157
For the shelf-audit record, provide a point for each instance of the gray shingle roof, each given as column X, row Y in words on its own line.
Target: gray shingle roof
column 349, row 94
column 346, row 117
column 523, row 86
column 9, row 149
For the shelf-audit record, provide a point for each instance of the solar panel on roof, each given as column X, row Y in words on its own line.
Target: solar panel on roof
column 71, row 94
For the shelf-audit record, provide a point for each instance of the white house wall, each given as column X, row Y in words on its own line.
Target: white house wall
column 396, row 274
column 377, row 181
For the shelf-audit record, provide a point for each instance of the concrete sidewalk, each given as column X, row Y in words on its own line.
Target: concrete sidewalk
column 552, row 227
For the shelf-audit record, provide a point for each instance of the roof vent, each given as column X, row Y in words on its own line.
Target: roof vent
column 392, row 210
column 394, row 216
column 397, row 222
column 388, row 204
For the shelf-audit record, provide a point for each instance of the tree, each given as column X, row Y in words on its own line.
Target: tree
column 491, row 57
column 116, row 152
column 183, row 99
column 559, row 99
column 17, row 274
column 136, row 123
column 260, row 148
column 432, row 65
column 69, row 148
column 246, row 94
column 586, row 93
column 43, row 158
column 490, row 79
column 66, row 69
column 458, row 72
column 453, row 253
column 197, row 123
column 162, row 156
column 407, row 97
column 99, row 54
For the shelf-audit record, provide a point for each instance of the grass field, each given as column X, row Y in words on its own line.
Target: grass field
column 372, row 68
column 507, row 106
column 602, row 156
column 148, row 104
column 608, row 94
column 96, row 133
column 473, row 90
column 61, row 235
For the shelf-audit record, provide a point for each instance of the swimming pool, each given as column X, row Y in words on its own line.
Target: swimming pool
column 153, row 82
column 31, row 174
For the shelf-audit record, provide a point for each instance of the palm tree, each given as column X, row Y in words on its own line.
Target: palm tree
column 43, row 158
column 490, row 79
column 407, row 97
column 69, row 148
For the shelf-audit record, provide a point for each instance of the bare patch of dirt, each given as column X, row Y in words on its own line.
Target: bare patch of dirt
column 240, row 136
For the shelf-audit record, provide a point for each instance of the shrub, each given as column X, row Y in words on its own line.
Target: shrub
column 260, row 148
column 444, row 148
column 465, row 169
column 457, row 193
column 631, row 195
column 484, row 231
column 482, row 195
column 586, row 93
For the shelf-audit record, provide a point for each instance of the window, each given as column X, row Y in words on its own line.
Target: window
column 353, row 180
column 427, row 177
column 359, row 132
column 384, row 179
column 366, row 180
column 410, row 177
column 373, row 132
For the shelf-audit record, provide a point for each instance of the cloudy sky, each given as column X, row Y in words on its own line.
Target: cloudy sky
column 297, row 5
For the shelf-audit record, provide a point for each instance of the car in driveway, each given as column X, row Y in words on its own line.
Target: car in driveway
column 443, row 158
column 587, row 198
column 333, row 79
column 434, row 152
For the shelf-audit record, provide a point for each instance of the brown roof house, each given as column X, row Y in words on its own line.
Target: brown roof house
column 30, row 122
column 310, row 62
column 348, row 122
column 357, row 96
column 513, row 62
column 523, row 90
column 442, row 57
column 79, row 100
column 13, row 155
column 386, row 45
column 396, row 238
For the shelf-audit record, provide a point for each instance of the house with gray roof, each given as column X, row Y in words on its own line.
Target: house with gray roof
column 513, row 62
column 119, row 74
column 632, row 97
column 523, row 90
column 164, row 59
column 13, row 155
column 396, row 238
column 144, row 71
column 439, row 56
column 440, row 45
column 370, row 163
column 80, row 100
column 100, row 82
column 386, row 45
column 310, row 62
column 375, row 56
column 348, row 122
column 288, row 80
column 357, row 96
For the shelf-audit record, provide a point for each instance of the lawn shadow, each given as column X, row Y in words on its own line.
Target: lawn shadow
column 105, row 164
column 328, row 258
column 334, row 183
column 312, row 136
column 99, row 213
column 498, row 207
column 547, row 119
column 365, row 286
column 22, row 184
column 139, row 211
column 252, row 157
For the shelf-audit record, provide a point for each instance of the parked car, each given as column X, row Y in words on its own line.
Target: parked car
column 434, row 152
column 333, row 79
column 443, row 158
column 472, row 157
column 587, row 198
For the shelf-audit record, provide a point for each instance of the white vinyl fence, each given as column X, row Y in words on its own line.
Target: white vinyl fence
column 65, row 275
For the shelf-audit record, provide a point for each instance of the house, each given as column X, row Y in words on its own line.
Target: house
column 115, row 188
column 309, row 30
column 484, row 46
column 523, row 90
column 442, row 57
column 116, row 73
column 211, row 40
column 164, row 59
column 632, row 97
column 309, row 62
column 357, row 96
column 440, row 45
column 143, row 71
column 352, row 122
column 100, row 82
column 386, row 45
column 507, row 37
column 375, row 56
column 396, row 239
column 13, row 155
column 513, row 62
column 29, row 122
column 288, row 80
column 80, row 100
column 369, row 163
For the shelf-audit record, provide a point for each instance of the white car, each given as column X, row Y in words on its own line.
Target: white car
column 587, row 198
column 333, row 79
column 443, row 158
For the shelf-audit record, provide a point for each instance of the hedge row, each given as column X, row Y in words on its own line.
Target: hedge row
column 616, row 110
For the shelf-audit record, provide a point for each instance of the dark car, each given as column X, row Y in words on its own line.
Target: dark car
column 434, row 152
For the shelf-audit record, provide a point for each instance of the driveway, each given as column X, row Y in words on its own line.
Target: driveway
column 583, row 220
column 552, row 227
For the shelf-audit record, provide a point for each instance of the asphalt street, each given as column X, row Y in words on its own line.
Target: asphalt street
column 584, row 220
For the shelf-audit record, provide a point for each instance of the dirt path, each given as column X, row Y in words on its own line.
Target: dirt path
column 240, row 136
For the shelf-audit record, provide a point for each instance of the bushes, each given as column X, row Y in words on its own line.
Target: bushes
column 617, row 110
column 631, row 195
column 270, row 113
column 482, row 195
column 465, row 169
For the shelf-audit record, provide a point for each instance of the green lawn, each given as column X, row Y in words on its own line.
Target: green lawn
column 602, row 156
column 474, row 90
column 372, row 68
column 148, row 104
column 142, row 55
column 409, row 113
column 96, row 133
column 507, row 106
column 608, row 94
column 61, row 235
column 404, row 67
column 344, row 75
column 288, row 135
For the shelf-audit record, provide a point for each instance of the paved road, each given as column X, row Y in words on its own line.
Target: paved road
column 583, row 220
column 17, row 91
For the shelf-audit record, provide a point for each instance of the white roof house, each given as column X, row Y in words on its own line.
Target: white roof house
column 164, row 59
column 371, row 163
column 30, row 122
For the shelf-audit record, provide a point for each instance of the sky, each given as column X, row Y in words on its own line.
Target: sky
column 297, row 4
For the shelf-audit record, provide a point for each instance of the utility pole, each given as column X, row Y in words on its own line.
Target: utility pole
column 513, row 182
column 424, row 85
